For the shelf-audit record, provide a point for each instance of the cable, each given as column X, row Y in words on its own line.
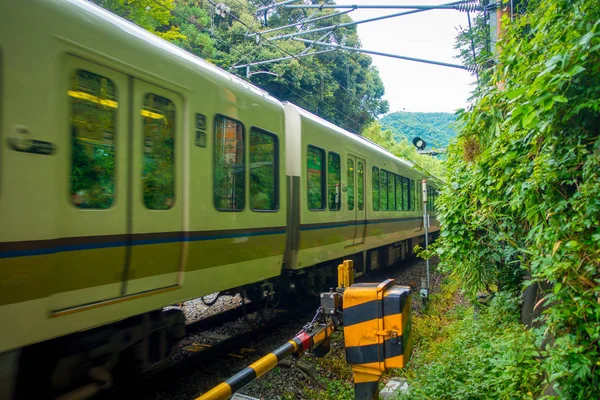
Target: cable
column 358, row 101
column 293, row 91
column 345, row 116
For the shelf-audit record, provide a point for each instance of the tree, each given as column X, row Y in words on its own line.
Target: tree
column 524, row 181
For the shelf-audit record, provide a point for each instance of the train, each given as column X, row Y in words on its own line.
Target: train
column 135, row 175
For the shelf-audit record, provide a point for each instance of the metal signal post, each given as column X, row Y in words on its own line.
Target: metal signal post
column 425, row 291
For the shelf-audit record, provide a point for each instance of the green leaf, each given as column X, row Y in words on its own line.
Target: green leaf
column 513, row 94
column 557, row 287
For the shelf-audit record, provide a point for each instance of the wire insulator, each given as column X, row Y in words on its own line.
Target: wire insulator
column 474, row 69
column 469, row 6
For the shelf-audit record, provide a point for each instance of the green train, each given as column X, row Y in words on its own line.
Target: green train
column 134, row 175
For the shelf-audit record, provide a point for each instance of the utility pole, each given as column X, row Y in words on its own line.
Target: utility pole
column 496, row 28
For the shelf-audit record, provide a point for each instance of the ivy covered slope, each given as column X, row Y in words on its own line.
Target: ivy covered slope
column 523, row 190
column 436, row 128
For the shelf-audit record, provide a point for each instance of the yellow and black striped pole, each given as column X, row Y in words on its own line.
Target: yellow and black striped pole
column 226, row 389
column 305, row 340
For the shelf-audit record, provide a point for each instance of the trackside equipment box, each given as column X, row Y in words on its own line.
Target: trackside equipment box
column 377, row 324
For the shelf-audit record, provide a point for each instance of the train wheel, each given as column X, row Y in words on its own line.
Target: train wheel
column 255, row 314
column 301, row 289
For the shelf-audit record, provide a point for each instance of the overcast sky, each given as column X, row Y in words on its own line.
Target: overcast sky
column 429, row 35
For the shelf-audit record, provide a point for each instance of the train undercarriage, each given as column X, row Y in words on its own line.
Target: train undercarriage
column 82, row 364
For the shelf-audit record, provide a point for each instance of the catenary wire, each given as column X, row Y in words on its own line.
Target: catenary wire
column 345, row 116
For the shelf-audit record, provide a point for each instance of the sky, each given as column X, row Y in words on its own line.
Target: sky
column 430, row 35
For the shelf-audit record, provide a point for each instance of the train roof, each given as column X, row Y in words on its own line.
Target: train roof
column 349, row 135
column 83, row 6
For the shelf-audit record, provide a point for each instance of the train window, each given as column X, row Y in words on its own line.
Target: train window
column 432, row 195
column 398, row 188
column 350, row 184
column 413, row 190
column 230, row 168
column 316, row 178
column 391, row 192
column 158, row 171
column 429, row 198
column 93, row 119
column 375, row 189
column 360, row 189
column 334, row 176
column 405, row 193
column 384, row 190
column 263, row 170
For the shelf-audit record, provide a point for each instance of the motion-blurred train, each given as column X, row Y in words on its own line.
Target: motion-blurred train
column 134, row 175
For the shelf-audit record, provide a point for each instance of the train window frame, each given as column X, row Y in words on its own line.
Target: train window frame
column 350, row 186
column 339, row 203
column 1, row 113
column 276, row 176
column 173, row 136
column 360, row 195
column 323, row 179
column 392, row 195
column 405, row 194
column 244, row 138
column 74, row 196
column 413, row 195
column 381, row 189
column 375, row 181
column 399, row 197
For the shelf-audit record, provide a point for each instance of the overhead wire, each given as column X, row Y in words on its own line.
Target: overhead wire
column 318, row 70
column 345, row 118
column 338, row 84
column 415, row 163
column 341, row 85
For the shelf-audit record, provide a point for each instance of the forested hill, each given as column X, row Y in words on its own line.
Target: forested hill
column 435, row 128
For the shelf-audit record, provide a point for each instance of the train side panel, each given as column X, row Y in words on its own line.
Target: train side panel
column 340, row 204
column 87, row 97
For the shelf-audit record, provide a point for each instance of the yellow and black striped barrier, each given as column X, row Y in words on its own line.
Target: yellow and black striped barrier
column 226, row 389
column 377, row 325
column 308, row 339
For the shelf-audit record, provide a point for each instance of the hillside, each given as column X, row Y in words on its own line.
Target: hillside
column 434, row 128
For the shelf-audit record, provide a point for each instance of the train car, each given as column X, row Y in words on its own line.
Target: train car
column 134, row 175
column 350, row 197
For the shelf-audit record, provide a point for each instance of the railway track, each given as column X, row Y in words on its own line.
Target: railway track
column 218, row 335
column 231, row 337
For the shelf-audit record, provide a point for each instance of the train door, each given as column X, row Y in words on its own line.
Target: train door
column 92, row 206
column 156, row 193
column 356, row 196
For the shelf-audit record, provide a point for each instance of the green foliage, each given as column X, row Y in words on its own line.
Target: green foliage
column 342, row 87
column 385, row 138
column 437, row 129
column 524, row 191
column 463, row 356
